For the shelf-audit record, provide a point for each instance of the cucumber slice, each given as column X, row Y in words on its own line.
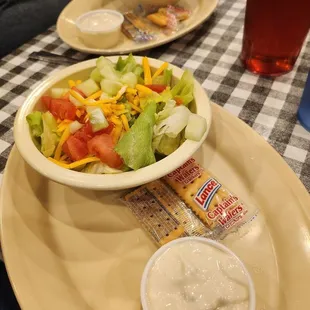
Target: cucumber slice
column 76, row 102
column 95, row 75
column 88, row 87
column 196, row 127
column 75, row 126
column 104, row 96
column 109, row 73
column 110, row 87
column 102, row 62
column 58, row 92
column 97, row 120
column 138, row 70
column 129, row 79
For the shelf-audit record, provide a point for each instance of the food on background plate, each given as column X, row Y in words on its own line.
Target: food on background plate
column 101, row 124
column 190, row 201
column 146, row 22
column 196, row 273
column 136, row 34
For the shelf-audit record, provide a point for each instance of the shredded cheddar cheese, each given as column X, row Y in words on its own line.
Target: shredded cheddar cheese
column 115, row 120
column 77, row 96
column 79, row 113
column 117, row 106
column 147, row 71
column 62, row 125
column 120, row 112
column 106, row 108
column 71, row 83
column 131, row 91
column 74, row 164
column 134, row 107
column 95, row 95
column 160, row 70
column 133, row 112
column 62, row 128
column 125, row 122
column 103, row 101
column 62, row 140
column 120, row 93
column 78, row 82
column 136, row 101
column 143, row 89
column 116, row 133
column 130, row 97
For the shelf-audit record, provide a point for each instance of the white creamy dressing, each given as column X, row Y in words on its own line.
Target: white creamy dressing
column 195, row 275
column 100, row 21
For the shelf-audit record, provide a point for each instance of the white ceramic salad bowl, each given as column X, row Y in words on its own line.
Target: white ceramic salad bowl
column 123, row 180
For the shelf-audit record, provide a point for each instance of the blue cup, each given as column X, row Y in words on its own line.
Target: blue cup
column 303, row 113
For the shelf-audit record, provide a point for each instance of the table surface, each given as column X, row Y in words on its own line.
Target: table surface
column 211, row 51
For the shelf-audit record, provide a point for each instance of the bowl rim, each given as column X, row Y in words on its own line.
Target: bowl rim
column 129, row 179
column 216, row 244
column 112, row 29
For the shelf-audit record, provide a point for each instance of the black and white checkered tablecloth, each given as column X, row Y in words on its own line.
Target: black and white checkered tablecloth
column 268, row 105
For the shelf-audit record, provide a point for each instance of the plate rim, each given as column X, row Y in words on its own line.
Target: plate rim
column 143, row 47
column 297, row 184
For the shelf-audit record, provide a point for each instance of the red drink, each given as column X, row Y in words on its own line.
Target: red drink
column 274, row 32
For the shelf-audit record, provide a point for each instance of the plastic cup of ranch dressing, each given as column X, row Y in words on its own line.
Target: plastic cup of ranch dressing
column 194, row 273
column 100, row 28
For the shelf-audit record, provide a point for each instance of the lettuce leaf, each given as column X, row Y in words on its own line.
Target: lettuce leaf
column 164, row 79
column 135, row 147
column 100, row 168
column 184, row 89
column 174, row 123
column 165, row 144
column 35, row 123
column 127, row 65
column 36, row 127
column 49, row 138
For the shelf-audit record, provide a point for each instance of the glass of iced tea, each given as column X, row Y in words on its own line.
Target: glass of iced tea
column 274, row 32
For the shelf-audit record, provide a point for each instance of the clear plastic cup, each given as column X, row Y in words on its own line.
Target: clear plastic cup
column 160, row 251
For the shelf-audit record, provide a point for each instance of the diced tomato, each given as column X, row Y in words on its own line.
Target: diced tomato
column 103, row 147
column 63, row 109
column 46, row 100
column 178, row 100
column 107, row 130
column 78, row 91
column 158, row 88
column 75, row 148
column 85, row 133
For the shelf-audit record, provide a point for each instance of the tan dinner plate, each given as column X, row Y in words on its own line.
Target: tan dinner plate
column 201, row 10
column 76, row 249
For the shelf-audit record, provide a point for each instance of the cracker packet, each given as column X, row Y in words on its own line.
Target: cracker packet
column 146, row 22
column 190, row 201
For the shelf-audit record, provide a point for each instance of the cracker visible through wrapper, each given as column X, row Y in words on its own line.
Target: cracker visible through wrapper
column 213, row 203
column 187, row 202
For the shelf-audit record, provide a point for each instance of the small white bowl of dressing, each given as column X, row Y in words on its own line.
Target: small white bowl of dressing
column 100, row 28
column 194, row 273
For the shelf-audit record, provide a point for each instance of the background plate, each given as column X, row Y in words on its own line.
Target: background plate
column 76, row 249
column 201, row 10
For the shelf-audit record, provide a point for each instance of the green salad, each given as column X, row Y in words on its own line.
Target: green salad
column 125, row 116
